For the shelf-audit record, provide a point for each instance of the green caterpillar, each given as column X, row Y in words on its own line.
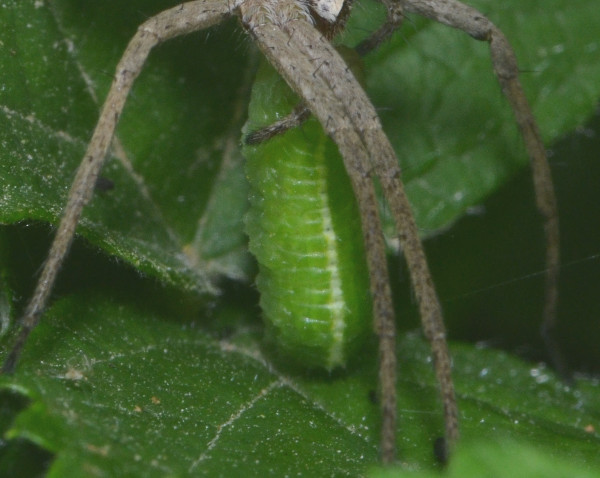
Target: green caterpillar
column 304, row 230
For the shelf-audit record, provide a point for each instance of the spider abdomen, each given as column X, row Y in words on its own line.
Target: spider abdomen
column 304, row 230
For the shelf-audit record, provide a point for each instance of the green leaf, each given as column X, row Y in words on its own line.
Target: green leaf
column 179, row 191
column 118, row 388
column 499, row 459
column 176, row 214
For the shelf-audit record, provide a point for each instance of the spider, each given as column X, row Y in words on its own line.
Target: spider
column 295, row 38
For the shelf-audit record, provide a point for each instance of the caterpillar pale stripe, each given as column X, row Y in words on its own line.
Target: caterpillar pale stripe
column 304, row 230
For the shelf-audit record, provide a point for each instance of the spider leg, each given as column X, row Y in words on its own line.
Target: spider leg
column 384, row 163
column 395, row 17
column 472, row 22
column 282, row 50
column 298, row 116
column 170, row 23
column 334, row 96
